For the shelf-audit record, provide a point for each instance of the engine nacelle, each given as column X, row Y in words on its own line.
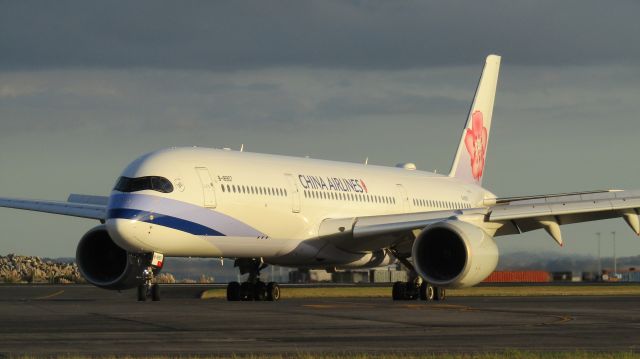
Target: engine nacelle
column 454, row 254
column 103, row 264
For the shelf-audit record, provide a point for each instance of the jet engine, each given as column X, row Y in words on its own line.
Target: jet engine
column 454, row 254
column 103, row 264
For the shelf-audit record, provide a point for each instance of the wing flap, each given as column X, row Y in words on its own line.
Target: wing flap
column 90, row 211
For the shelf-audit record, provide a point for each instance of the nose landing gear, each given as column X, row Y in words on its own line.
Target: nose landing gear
column 147, row 289
column 253, row 289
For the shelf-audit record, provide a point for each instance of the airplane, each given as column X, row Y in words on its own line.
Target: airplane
column 261, row 210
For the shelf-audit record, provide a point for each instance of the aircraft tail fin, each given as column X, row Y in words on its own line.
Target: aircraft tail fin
column 468, row 165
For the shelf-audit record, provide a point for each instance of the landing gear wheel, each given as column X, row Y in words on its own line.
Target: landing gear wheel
column 273, row 292
column 411, row 291
column 155, row 292
column 259, row 291
column 142, row 292
column 246, row 291
column 398, row 290
column 233, row 292
column 427, row 292
column 253, row 288
column 441, row 294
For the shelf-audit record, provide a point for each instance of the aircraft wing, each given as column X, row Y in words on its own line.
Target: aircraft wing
column 500, row 216
column 93, row 207
column 550, row 213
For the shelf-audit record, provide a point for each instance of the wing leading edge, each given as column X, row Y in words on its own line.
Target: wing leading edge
column 73, row 208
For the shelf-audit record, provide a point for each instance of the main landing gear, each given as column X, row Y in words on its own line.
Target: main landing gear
column 253, row 288
column 413, row 290
column 415, row 287
column 147, row 289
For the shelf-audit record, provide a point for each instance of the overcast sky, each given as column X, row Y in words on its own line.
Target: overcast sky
column 86, row 87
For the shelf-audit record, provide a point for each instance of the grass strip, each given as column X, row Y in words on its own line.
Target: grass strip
column 385, row 292
column 511, row 354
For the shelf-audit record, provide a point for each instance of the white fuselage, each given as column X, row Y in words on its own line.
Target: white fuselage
column 239, row 204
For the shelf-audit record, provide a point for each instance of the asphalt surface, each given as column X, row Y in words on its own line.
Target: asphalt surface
column 85, row 320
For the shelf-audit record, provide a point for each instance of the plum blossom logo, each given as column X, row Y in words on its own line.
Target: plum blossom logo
column 476, row 142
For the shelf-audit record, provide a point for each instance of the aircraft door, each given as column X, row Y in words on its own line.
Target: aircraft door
column 208, row 189
column 404, row 198
column 294, row 191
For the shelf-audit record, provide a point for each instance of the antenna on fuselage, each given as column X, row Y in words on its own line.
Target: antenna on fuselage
column 242, row 147
column 366, row 161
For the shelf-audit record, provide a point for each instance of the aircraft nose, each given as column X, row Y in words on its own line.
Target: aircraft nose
column 130, row 218
column 128, row 234
column 126, row 231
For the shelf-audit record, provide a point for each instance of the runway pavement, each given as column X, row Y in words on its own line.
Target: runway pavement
column 87, row 320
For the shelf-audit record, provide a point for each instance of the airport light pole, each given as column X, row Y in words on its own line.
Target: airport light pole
column 615, row 262
column 599, row 255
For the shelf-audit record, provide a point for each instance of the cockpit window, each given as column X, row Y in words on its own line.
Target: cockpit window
column 155, row 183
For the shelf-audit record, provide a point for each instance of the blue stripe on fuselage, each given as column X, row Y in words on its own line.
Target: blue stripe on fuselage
column 162, row 220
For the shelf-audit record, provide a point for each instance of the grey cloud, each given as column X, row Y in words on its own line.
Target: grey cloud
column 164, row 100
column 382, row 104
column 227, row 35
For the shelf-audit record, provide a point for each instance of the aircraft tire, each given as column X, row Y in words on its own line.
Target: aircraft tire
column 427, row 291
column 397, row 291
column 233, row 292
column 411, row 291
column 142, row 293
column 273, row 292
column 246, row 291
column 155, row 292
column 440, row 294
column 260, row 291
